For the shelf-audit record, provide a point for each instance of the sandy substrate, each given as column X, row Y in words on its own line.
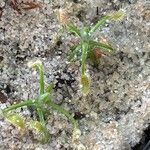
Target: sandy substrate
column 117, row 109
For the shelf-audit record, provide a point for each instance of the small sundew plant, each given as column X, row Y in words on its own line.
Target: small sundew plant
column 42, row 105
column 89, row 48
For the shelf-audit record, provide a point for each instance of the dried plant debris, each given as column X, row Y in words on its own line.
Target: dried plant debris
column 19, row 6
column 30, row 5
column 14, row 5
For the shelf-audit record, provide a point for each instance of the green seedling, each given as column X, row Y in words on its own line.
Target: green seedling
column 42, row 104
column 89, row 48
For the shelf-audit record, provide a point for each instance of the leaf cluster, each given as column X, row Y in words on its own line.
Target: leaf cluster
column 41, row 104
column 89, row 48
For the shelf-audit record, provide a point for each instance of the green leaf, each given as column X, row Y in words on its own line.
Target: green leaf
column 49, row 88
column 43, row 96
column 103, row 46
column 74, row 51
column 30, row 102
column 117, row 15
column 37, row 126
column 38, row 65
column 62, row 111
column 85, row 84
column 42, row 134
column 15, row 119
column 101, row 22
column 85, row 49
column 84, row 33
column 72, row 28
column 112, row 16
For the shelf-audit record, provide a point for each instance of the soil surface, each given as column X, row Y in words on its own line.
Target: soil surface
column 117, row 110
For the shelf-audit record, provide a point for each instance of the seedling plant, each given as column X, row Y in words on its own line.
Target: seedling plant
column 41, row 105
column 89, row 48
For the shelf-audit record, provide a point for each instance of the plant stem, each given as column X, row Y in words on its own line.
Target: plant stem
column 41, row 116
column 41, row 82
column 15, row 106
column 63, row 111
column 83, row 57
column 41, row 70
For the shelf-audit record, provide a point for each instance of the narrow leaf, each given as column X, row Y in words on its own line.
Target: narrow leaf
column 37, row 126
column 15, row 119
column 101, row 22
column 49, row 88
column 43, row 96
column 103, row 46
column 41, row 131
column 72, row 28
column 112, row 16
column 84, row 33
column 116, row 15
column 85, row 49
column 85, row 84
column 74, row 51
column 38, row 65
